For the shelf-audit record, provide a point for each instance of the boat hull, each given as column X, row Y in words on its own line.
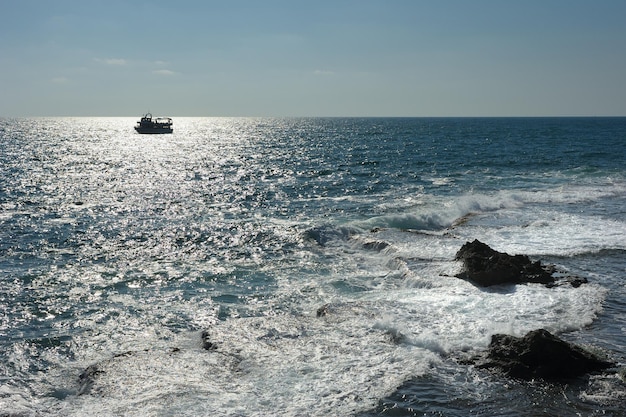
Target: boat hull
column 153, row 130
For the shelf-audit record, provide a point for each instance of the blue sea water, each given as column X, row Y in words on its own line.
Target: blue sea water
column 118, row 250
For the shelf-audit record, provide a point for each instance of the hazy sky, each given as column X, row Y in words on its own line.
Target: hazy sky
column 313, row 58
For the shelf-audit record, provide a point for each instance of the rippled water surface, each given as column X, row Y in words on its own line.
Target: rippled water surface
column 317, row 255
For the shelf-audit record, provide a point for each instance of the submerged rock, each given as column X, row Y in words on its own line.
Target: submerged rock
column 328, row 233
column 540, row 354
column 86, row 379
column 207, row 344
column 376, row 245
column 323, row 310
column 486, row 267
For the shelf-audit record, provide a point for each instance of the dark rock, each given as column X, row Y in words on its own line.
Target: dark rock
column 127, row 353
column 341, row 310
column 328, row 233
column 485, row 267
column 375, row 245
column 540, row 354
column 206, row 342
column 574, row 281
column 323, row 310
column 86, row 379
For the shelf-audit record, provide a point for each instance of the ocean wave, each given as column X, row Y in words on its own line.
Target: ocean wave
column 439, row 214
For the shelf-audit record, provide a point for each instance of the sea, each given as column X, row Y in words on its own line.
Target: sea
column 303, row 266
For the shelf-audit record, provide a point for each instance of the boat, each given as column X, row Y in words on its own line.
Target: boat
column 155, row 125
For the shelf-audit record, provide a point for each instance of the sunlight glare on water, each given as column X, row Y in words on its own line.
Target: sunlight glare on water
column 316, row 254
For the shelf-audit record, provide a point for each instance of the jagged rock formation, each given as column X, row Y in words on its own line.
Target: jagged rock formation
column 486, row 267
column 540, row 354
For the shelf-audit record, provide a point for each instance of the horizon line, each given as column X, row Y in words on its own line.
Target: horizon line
column 328, row 117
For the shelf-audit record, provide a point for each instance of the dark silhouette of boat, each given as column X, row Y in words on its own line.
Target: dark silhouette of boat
column 156, row 125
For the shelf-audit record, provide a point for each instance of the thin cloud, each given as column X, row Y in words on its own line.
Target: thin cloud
column 112, row 61
column 164, row 72
column 323, row 73
column 60, row 80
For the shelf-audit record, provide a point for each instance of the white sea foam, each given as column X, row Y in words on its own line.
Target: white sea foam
column 410, row 315
column 360, row 348
column 434, row 213
column 283, row 365
column 534, row 222
column 233, row 227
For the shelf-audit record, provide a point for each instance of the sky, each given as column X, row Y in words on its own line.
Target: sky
column 406, row 58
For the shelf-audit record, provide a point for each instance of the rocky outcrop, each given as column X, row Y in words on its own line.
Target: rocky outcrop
column 540, row 354
column 486, row 267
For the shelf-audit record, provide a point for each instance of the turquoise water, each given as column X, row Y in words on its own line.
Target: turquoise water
column 117, row 250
